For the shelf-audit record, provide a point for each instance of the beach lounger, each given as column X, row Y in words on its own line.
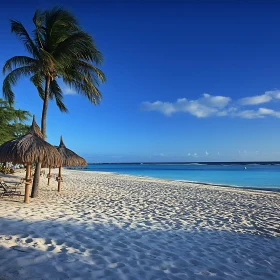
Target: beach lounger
column 8, row 190
column 14, row 186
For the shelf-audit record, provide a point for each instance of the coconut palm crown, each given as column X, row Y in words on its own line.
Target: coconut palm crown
column 58, row 48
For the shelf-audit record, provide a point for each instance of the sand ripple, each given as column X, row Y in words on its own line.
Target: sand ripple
column 106, row 226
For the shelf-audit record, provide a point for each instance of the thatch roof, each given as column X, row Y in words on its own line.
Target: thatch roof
column 30, row 148
column 69, row 158
column 36, row 128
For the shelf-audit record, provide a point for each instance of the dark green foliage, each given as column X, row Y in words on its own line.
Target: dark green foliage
column 12, row 122
column 6, row 170
column 58, row 49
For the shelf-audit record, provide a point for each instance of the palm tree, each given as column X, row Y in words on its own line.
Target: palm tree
column 58, row 48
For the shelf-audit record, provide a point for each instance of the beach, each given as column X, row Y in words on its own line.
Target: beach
column 111, row 226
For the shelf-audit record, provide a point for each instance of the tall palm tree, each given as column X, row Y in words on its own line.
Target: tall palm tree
column 58, row 48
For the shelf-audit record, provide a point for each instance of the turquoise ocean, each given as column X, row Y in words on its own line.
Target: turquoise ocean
column 247, row 175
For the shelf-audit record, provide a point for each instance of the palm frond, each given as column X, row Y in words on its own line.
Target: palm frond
column 38, row 20
column 49, row 66
column 58, row 18
column 12, row 78
column 17, row 61
column 78, row 46
column 38, row 17
column 56, row 92
column 86, row 67
column 38, row 80
column 59, row 25
column 84, row 85
column 22, row 34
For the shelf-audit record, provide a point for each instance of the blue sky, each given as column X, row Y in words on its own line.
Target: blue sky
column 185, row 81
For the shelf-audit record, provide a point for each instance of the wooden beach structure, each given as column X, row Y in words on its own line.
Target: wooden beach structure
column 28, row 149
column 69, row 158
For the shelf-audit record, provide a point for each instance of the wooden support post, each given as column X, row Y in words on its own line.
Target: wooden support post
column 27, row 184
column 59, row 179
column 49, row 176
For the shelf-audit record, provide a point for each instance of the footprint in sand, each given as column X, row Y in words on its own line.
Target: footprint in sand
column 50, row 248
column 48, row 241
column 64, row 250
column 29, row 240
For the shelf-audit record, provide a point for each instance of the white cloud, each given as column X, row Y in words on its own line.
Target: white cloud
column 163, row 107
column 69, row 91
column 214, row 101
column 260, row 99
column 203, row 107
column 206, row 153
column 269, row 112
column 249, row 114
column 257, row 114
column 217, row 106
column 255, row 100
column 195, row 155
column 274, row 93
column 189, row 154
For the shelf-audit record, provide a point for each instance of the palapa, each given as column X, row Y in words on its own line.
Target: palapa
column 28, row 149
column 69, row 158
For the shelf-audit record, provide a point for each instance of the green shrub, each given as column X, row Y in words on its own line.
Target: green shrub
column 6, row 170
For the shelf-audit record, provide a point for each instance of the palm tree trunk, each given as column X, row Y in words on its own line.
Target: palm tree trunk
column 36, row 181
column 45, row 107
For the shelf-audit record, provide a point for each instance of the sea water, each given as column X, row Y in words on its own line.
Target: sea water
column 250, row 175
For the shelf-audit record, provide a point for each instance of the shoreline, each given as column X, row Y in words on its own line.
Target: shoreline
column 248, row 188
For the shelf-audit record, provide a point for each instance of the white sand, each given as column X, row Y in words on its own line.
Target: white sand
column 108, row 226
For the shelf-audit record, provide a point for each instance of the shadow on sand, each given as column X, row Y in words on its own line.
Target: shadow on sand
column 54, row 249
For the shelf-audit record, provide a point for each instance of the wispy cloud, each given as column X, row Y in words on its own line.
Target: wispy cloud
column 205, row 106
column 260, row 99
column 258, row 114
column 69, row 91
column 219, row 106
column 255, row 100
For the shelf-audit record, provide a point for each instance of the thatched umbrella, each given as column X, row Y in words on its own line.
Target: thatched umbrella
column 69, row 158
column 28, row 149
